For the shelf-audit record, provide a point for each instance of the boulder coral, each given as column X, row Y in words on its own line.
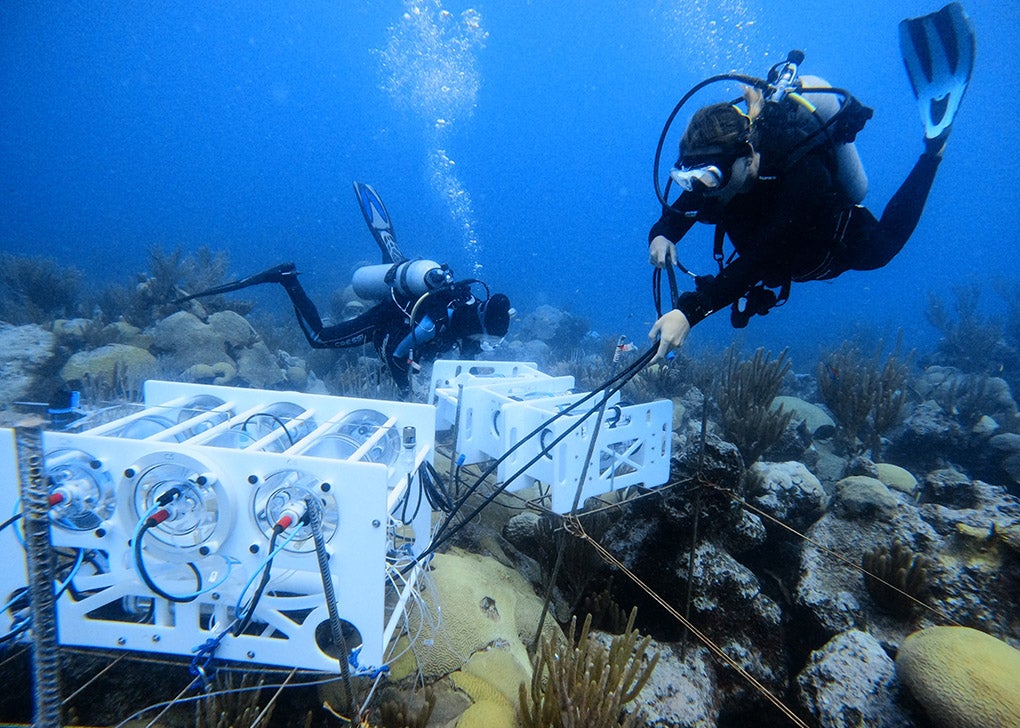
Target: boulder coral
column 962, row 677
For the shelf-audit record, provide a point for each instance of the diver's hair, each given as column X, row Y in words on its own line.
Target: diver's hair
column 722, row 128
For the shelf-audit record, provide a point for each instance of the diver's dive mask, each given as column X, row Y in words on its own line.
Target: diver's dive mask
column 699, row 178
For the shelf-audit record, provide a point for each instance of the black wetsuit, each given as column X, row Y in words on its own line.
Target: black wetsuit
column 792, row 227
column 445, row 318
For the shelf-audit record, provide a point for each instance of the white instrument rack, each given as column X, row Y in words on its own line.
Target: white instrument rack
column 494, row 405
column 228, row 463
column 240, row 458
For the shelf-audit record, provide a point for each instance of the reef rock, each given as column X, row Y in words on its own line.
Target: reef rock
column 682, row 691
column 188, row 341
column 851, row 682
column 860, row 496
column 1007, row 445
column 786, row 491
column 830, row 589
column 973, row 578
column 927, row 437
column 26, row 350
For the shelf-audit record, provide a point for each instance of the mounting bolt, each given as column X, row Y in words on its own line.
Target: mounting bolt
column 325, row 487
column 100, row 532
column 253, row 479
column 376, row 523
column 156, row 638
column 95, row 464
column 250, row 654
column 253, row 549
column 121, row 641
column 129, row 472
column 201, row 480
column 204, row 550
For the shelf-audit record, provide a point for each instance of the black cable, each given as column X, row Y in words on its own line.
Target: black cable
column 445, row 532
column 407, row 497
column 435, row 490
column 144, row 573
column 11, row 520
column 276, row 419
column 243, row 622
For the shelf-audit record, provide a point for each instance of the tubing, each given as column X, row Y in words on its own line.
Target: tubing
column 336, row 630
column 35, row 497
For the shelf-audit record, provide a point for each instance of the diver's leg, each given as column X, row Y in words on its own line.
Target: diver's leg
column 307, row 313
column 870, row 243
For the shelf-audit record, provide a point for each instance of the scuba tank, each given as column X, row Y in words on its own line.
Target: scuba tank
column 797, row 124
column 409, row 278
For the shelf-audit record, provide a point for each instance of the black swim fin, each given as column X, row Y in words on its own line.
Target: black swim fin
column 938, row 51
column 379, row 222
column 275, row 274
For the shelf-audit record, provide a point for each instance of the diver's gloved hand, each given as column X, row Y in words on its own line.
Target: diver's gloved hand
column 672, row 329
column 661, row 252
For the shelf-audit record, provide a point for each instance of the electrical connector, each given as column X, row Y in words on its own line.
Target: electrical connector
column 295, row 512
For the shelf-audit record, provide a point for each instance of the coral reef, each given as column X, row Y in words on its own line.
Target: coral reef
column 745, row 394
column 969, row 340
column 394, row 714
column 585, row 684
column 865, row 395
column 475, row 603
column 35, row 290
column 964, row 678
column 896, row 577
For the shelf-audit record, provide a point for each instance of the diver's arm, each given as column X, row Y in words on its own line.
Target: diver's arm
column 666, row 232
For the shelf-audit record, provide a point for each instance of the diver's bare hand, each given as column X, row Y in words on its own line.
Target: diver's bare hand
column 661, row 252
column 672, row 329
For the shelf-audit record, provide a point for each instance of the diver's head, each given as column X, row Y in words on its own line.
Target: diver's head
column 494, row 315
column 715, row 148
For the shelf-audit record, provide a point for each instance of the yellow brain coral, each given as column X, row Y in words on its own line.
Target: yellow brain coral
column 964, row 678
column 475, row 604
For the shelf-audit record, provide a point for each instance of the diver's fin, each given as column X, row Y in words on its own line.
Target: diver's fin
column 938, row 51
column 273, row 275
column 379, row 223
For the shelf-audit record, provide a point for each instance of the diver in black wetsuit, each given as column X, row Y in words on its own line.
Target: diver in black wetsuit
column 782, row 180
column 422, row 311
column 447, row 316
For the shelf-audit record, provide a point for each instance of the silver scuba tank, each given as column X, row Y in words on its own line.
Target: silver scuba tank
column 409, row 278
column 851, row 177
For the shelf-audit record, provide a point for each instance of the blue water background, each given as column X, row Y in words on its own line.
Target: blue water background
column 240, row 126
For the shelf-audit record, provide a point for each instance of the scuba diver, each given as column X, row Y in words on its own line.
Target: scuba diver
column 422, row 311
column 782, row 180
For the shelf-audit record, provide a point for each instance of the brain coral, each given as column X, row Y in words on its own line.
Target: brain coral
column 480, row 604
column 964, row 678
